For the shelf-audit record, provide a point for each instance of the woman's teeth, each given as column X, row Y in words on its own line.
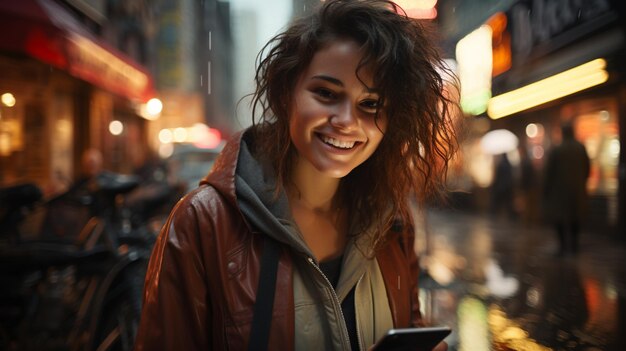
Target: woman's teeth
column 338, row 143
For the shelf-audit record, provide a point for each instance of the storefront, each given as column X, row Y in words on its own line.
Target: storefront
column 63, row 91
column 557, row 61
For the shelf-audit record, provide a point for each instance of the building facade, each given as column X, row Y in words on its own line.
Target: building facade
column 554, row 62
column 63, row 84
column 77, row 74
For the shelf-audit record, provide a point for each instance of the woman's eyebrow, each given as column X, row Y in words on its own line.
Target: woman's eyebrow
column 329, row 79
column 340, row 83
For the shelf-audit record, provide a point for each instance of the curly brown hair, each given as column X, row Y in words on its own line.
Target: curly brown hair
column 413, row 157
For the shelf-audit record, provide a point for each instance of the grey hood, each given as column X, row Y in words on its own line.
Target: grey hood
column 255, row 185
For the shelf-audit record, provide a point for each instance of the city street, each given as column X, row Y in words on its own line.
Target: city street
column 500, row 286
column 111, row 111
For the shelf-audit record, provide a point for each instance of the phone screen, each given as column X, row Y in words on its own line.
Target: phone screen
column 422, row 339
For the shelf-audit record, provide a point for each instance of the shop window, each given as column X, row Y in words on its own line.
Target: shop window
column 598, row 131
column 596, row 126
column 35, row 153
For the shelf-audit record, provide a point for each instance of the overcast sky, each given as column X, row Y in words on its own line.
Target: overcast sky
column 273, row 15
column 270, row 17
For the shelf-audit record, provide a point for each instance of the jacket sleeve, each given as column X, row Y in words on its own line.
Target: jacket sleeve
column 175, row 314
column 400, row 268
column 409, row 249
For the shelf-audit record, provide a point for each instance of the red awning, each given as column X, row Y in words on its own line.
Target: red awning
column 46, row 31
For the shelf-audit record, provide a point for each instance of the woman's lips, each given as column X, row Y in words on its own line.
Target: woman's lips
column 338, row 143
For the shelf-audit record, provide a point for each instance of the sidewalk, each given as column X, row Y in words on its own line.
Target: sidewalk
column 499, row 285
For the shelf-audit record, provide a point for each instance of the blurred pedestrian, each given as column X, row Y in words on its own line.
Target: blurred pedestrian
column 91, row 163
column 565, row 188
column 527, row 187
column 301, row 237
column 158, row 190
column 86, row 185
column 502, row 188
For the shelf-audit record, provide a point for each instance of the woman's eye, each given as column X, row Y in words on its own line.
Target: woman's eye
column 371, row 104
column 325, row 93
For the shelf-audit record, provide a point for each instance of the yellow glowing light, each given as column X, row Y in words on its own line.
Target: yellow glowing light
column 5, row 144
column 514, row 332
column 116, row 127
column 166, row 136
column 538, row 152
column 166, row 150
column 614, row 148
column 508, row 333
column 532, row 130
column 8, row 99
column 87, row 54
column 473, row 327
column 473, row 54
column 180, row 135
column 416, row 4
column 151, row 110
column 197, row 132
column 154, row 106
column 557, row 86
column 421, row 9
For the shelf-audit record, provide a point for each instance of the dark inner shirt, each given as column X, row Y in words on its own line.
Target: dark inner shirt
column 332, row 271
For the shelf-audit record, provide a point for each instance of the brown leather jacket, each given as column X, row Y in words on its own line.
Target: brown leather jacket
column 202, row 278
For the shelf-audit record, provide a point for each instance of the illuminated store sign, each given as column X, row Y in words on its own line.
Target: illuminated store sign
column 536, row 23
column 557, row 86
column 474, row 57
column 421, row 9
column 500, row 43
column 95, row 64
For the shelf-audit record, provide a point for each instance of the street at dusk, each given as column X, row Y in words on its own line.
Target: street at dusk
column 241, row 174
column 504, row 288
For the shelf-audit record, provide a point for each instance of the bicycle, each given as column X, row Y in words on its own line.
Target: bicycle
column 78, row 291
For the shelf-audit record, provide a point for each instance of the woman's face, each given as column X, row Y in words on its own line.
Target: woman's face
column 333, row 123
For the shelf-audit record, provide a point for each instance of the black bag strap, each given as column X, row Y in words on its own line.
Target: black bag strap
column 264, row 304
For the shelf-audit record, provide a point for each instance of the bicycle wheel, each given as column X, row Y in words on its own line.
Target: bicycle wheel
column 119, row 322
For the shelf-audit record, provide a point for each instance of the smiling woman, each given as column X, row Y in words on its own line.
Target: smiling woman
column 301, row 236
column 334, row 123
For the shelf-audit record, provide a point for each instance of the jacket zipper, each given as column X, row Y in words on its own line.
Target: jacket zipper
column 344, row 328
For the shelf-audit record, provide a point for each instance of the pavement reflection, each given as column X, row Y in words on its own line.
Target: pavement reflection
column 500, row 287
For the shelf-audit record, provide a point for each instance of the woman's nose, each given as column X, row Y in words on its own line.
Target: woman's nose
column 344, row 117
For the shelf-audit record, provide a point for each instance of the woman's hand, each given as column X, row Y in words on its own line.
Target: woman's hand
column 442, row 346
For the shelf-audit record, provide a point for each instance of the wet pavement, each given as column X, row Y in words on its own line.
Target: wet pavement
column 500, row 286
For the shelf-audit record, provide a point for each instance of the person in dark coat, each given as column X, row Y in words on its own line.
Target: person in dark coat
column 565, row 189
column 527, row 187
column 502, row 188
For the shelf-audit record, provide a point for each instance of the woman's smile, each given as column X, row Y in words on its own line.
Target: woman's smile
column 339, row 142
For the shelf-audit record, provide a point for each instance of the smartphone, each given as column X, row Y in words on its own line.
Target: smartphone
column 422, row 339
